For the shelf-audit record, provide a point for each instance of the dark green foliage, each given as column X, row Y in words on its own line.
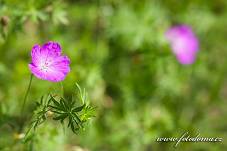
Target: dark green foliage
column 61, row 109
column 39, row 116
column 40, row 112
column 67, row 109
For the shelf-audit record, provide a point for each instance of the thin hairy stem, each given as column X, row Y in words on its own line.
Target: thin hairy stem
column 26, row 95
column 62, row 88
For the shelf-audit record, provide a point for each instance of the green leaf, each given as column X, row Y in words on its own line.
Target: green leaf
column 61, row 117
column 78, row 109
column 76, row 115
column 55, row 102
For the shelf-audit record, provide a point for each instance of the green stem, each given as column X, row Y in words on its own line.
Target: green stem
column 26, row 95
column 62, row 89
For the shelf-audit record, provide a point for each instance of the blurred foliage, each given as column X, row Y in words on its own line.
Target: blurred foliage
column 119, row 54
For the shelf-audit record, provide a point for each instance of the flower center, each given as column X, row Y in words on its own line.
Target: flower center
column 44, row 67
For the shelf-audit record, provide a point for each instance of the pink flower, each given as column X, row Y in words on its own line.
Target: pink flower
column 47, row 62
column 184, row 43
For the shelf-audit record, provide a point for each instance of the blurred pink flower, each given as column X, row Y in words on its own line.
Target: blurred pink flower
column 184, row 43
column 47, row 62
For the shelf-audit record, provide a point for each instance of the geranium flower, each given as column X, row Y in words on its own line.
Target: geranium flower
column 47, row 62
column 184, row 43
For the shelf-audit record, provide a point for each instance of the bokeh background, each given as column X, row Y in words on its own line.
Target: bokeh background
column 119, row 54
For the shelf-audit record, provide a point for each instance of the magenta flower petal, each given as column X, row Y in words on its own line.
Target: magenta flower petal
column 35, row 53
column 186, row 58
column 47, row 62
column 53, row 48
column 184, row 43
